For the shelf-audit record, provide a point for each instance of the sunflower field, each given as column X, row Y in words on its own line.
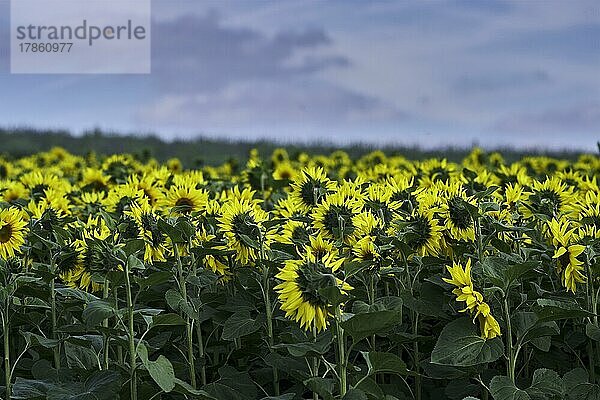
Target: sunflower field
column 300, row 277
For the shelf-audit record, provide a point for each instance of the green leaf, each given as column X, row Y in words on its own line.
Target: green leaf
column 578, row 387
column 187, row 389
column 460, row 345
column 176, row 301
column 364, row 325
column 592, row 331
column 160, row 370
column 80, row 357
column 233, row 385
column 321, row 346
column 333, row 295
column 321, row 386
column 97, row 311
column 36, row 340
column 503, row 272
column 180, row 232
column 166, row 320
column 355, row 394
column 502, row 388
column 554, row 310
column 379, row 362
column 154, row 279
column 371, row 388
column 529, row 328
column 135, row 263
column 238, row 325
column 546, row 384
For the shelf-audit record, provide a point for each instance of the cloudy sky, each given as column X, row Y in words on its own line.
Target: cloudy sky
column 433, row 73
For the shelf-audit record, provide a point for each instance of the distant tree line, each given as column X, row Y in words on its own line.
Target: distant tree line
column 200, row 151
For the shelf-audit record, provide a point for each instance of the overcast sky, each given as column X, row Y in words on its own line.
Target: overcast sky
column 432, row 73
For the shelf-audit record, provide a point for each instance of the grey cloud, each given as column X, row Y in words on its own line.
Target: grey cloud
column 4, row 36
column 199, row 53
column 579, row 118
column 498, row 80
column 291, row 103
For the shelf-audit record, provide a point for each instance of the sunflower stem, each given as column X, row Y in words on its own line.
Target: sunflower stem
column 268, row 307
column 188, row 324
column 511, row 362
column 341, row 351
column 6, row 337
column 269, row 311
column 416, row 356
column 131, row 334
column 199, row 329
column 105, row 336
column 315, row 366
column 120, row 358
column 56, row 350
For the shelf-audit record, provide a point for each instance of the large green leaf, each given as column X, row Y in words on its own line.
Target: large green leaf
column 160, row 370
column 504, row 272
column 503, row 388
column 460, row 345
column 168, row 319
column 529, row 328
column 361, row 326
column 322, row 386
column 238, row 325
column 97, row 311
column 578, row 386
column 546, row 385
column 554, row 310
column 380, row 362
column 233, row 385
column 100, row 385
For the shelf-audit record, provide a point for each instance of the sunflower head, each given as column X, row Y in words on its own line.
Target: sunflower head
column 310, row 187
column 12, row 232
column 336, row 216
column 300, row 291
column 240, row 222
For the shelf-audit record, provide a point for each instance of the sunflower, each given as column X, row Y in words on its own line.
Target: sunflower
column 149, row 187
column 457, row 219
column 94, row 180
column 461, row 278
column 146, row 221
column 12, row 191
column 284, row 171
column 310, row 187
column 120, row 197
column 336, row 216
column 279, row 156
column 435, row 170
column 299, row 291
column 294, row 232
column 38, row 183
column 184, row 198
column 513, row 174
column 202, row 239
column 320, row 247
column 174, row 165
column 550, row 198
column 566, row 253
column 287, row 208
column 90, row 256
column 366, row 250
column 379, row 201
column 421, row 232
column 240, row 222
column 12, row 232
